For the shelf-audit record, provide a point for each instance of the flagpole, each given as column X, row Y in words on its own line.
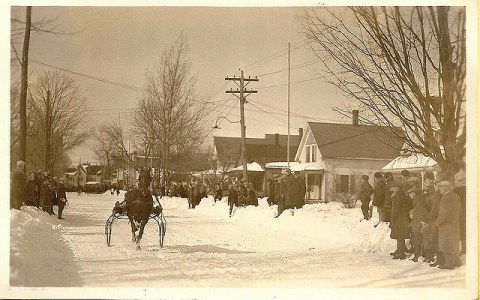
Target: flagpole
column 288, row 111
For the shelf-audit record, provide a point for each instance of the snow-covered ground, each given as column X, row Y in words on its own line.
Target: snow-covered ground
column 321, row 246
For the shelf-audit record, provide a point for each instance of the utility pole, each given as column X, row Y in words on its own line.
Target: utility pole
column 242, row 91
column 288, row 115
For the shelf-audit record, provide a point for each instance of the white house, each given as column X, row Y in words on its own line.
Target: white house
column 333, row 157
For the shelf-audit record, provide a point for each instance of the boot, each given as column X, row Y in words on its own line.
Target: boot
column 399, row 255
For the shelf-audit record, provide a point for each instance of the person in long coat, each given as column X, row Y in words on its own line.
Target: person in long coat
column 31, row 191
column 387, row 205
column 62, row 198
column 399, row 220
column 232, row 198
column 280, row 194
column 45, row 195
column 17, row 186
column 290, row 190
column 419, row 215
column 366, row 191
column 448, row 223
column 379, row 196
column 300, row 190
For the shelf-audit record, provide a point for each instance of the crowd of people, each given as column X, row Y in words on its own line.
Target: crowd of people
column 431, row 215
column 39, row 190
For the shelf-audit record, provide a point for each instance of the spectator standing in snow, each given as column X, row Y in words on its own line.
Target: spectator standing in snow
column 290, row 196
column 461, row 191
column 300, row 190
column 280, row 194
column 252, row 196
column 45, row 195
column 366, row 191
column 17, row 186
column 388, row 195
column 379, row 196
column 448, row 223
column 54, row 188
column 418, row 214
column 428, row 228
column 62, row 198
column 218, row 193
column 399, row 221
column 232, row 198
column 271, row 190
column 31, row 191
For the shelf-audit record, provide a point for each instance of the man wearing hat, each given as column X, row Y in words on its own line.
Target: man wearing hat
column 17, row 186
column 448, row 223
column 365, row 192
column 272, row 183
column 62, row 198
column 379, row 196
column 461, row 191
column 399, row 220
column 300, row 189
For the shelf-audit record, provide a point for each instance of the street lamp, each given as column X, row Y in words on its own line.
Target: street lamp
column 216, row 122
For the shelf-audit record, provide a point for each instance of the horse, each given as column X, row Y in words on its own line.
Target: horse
column 139, row 207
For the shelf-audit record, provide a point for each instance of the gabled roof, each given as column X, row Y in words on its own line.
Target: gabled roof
column 358, row 142
column 262, row 150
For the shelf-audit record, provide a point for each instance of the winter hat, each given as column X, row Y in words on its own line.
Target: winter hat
column 387, row 175
column 405, row 173
column 365, row 177
column 378, row 175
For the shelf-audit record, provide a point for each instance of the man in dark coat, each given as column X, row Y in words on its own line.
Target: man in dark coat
column 17, row 186
column 428, row 226
column 280, row 194
column 232, row 199
column 300, row 190
column 366, row 191
column 218, row 193
column 271, row 190
column 399, row 221
column 45, row 195
column 290, row 192
column 252, row 196
column 387, row 205
column 418, row 214
column 448, row 223
column 31, row 191
column 62, row 198
column 379, row 196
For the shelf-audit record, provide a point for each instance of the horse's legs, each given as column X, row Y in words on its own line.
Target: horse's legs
column 134, row 229
column 140, row 232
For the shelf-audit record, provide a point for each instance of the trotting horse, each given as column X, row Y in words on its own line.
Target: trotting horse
column 139, row 206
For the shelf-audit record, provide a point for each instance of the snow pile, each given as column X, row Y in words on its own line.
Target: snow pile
column 38, row 254
column 318, row 226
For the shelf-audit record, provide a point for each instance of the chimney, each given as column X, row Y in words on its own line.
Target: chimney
column 300, row 132
column 277, row 139
column 355, row 117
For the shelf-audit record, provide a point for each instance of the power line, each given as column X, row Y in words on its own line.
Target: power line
column 283, row 84
column 302, row 65
column 275, row 56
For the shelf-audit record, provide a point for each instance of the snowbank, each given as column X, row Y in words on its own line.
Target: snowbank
column 38, row 254
column 322, row 226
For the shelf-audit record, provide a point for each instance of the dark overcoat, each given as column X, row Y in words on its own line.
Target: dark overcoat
column 290, row 191
column 461, row 192
column 399, row 219
column 379, row 192
column 300, row 190
column 448, row 223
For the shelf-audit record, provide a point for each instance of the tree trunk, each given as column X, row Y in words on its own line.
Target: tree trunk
column 24, row 86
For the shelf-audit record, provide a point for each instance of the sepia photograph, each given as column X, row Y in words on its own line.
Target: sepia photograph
column 258, row 151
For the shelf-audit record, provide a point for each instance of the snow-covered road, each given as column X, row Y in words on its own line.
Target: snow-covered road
column 323, row 245
column 204, row 248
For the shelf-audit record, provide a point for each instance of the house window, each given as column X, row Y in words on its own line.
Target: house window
column 307, row 154
column 342, row 183
column 310, row 153
column 314, row 153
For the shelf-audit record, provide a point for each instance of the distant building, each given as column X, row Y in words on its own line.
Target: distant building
column 333, row 157
column 271, row 148
column 84, row 173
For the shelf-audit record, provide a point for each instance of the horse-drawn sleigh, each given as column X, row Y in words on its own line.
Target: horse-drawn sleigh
column 138, row 207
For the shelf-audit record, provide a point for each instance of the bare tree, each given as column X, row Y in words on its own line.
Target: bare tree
column 169, row 112
column 405, row 66
column 57, row 116
column 104, row 148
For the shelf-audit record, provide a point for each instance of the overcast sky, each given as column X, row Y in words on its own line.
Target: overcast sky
column 121, row 43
